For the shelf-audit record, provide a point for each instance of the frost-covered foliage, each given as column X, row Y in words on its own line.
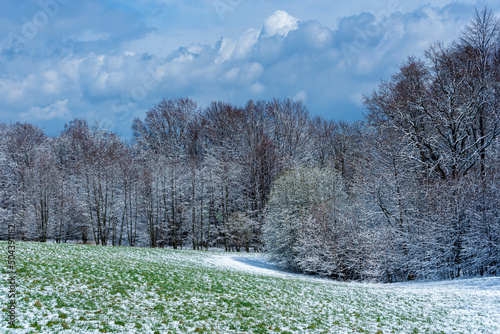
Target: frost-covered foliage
column 434, row 171
column 422, row 180
column 294, row 198
column 191, row 177
column 314, row 226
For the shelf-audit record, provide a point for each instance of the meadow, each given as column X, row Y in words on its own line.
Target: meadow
column 92, row 289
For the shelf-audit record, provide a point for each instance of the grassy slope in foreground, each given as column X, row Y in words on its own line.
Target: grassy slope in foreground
column 92, row 289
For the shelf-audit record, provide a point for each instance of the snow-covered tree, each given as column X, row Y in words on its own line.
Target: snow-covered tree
column 294, row 197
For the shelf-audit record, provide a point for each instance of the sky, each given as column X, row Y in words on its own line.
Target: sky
column 109, row 61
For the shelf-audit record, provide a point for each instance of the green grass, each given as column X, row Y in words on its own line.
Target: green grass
column 93, row 289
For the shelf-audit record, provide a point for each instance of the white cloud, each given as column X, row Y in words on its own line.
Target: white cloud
column 52, row 82
column 251, row 72
column 232, row 74
column 239, row 49
column 89, row 67
column 279, row 23
column 56, row 110
column 13, row 90
column 245, row 43
column 69, row 68
column 257, row 88
column 226, row 50
column 119, row 73
column 300, row 96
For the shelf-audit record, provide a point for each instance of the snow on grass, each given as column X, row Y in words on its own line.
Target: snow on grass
column 92, row 289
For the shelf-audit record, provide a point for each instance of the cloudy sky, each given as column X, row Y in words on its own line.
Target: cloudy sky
column 111, row 60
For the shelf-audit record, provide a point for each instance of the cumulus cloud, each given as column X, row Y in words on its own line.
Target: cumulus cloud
column 109, row 69
column 279, row 23
column 56, row 110
column 227, row 49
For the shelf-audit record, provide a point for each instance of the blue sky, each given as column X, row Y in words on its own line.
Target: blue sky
column 110, row 61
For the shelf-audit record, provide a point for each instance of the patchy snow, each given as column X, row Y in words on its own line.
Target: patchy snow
column 473, row 301
column 250, row 263
column 258, row 264
column 133, row 290
column 463, row 283
column 460, row 297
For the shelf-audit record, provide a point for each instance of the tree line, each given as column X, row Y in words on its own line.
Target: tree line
column 412, row 192
column 191, row 178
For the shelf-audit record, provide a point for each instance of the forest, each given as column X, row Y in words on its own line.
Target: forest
column 411, row 192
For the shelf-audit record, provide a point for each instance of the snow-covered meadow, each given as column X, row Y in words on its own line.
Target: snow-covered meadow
column 93, row 289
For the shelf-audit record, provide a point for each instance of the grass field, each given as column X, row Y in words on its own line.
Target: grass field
column 92, row 289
